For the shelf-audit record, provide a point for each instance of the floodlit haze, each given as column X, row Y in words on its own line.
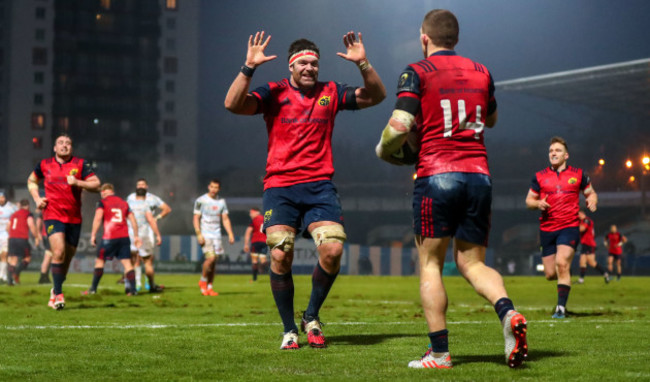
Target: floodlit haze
column 512, row 38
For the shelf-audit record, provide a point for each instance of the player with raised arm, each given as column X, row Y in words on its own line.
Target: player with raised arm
column 555, row 191
column 6, row 210
column 443, row 103
column 588, row 248
column 113, row 213
column 255, row 241
column 21, row 224
column 143, row 204
column 614, row 241
column 210, row 212
column 298, row 191
column 64, row 176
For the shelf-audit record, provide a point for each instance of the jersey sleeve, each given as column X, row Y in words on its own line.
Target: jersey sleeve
column 156, row 201
column 38, row 171
column 225, row 207
column 347, row 97
column 534, row 185
column 263, row 96
column 86, row 170
column 100, row 205
column 408, row 83
column 585, row 181
column 492, row 102
column 197, row 207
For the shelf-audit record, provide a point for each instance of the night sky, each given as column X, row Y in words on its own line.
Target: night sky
column 512, row 38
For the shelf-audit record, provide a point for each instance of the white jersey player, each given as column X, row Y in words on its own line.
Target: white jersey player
column 6, row 210
column 143, row 205
column 210, row 212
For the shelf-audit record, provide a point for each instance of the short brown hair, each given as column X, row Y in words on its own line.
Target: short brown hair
column 441, row 26
column 107, row 186
column 301, row 44
column 561, row 141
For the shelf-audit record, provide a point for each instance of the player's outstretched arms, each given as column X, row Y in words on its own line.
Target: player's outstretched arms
column 238, row 100
column 373, row 91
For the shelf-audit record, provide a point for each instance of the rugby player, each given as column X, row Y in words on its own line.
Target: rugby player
column 255, row 241
column 448, row 100
column 614, row 241
column 112, row 213
column 555, row 191
column 588, row 248
column 143, row 204
column 6, row 210
column 64, row 176
column 298, row 191
column 210, row 212
column 21, row 223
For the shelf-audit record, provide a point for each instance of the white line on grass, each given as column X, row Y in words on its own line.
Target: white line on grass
column 244, row 324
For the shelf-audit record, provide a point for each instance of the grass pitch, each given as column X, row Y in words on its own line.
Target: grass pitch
column 374, row 327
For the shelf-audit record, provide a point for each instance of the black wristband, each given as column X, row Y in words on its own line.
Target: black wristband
column 248, row 72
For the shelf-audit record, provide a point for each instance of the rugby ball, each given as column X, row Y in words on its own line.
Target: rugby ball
column 408, row 154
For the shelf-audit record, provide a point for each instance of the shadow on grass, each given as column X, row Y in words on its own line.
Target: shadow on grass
column 500, row 358
column 366, row 339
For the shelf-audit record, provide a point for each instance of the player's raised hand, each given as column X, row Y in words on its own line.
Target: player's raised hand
column 256, row 46
column 356, row 52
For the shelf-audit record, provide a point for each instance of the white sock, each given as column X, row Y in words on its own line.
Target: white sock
column 4, row 270
column 138, row 276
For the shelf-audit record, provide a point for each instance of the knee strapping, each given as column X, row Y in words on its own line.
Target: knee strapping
column 282, row 240
column 329, row 234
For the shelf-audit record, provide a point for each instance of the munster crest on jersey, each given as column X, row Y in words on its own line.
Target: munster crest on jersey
column 74, row 172
column 573, row 180
column 324, row 100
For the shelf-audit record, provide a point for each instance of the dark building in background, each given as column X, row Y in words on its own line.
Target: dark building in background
column 105, row 83
column 119, row 76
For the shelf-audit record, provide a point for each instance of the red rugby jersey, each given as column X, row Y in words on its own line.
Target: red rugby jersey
column 256, row 224
column 116, row 212
column 588, row 236
column 300, row 126
column 455, row 95
column 563, row 191
column 64, row 201
column 613, row 239
column 18, row 227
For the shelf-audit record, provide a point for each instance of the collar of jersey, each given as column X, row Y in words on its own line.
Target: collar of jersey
column 444, row 53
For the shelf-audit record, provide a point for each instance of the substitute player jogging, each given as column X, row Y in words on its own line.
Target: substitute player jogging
column 64, row 177
column 555, row 191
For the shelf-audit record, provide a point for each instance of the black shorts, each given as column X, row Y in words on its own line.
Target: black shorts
column 72, row 232
column 259, row 247
column 453, row 204
column 115, row 249
column 566, row 236
column 19, row 247
column 587, row 249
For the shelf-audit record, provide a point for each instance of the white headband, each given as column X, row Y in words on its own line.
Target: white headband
column 302, row 53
